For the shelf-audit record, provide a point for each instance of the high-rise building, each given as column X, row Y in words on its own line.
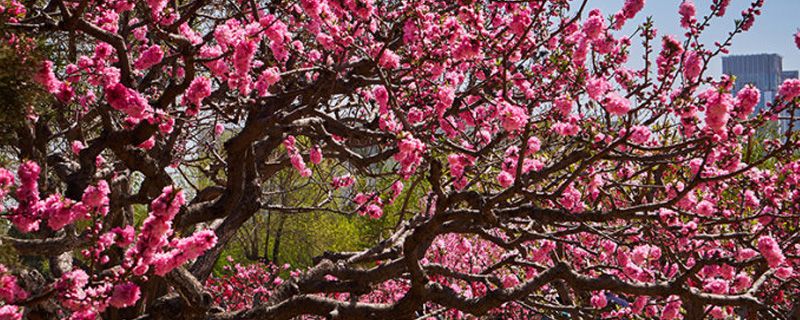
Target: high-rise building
column 789, row 75
column 764, row 71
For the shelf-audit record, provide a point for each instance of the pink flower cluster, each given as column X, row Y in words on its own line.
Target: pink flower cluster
column 458, row 164
column 389, row 60
column 125, row 295
column 369, row 205
column 269, row 77
column 514, row 117
column 153, row 237
column 47, row 78
column 771, row 251
column 57, row 210
column 789, row 89
column 10, row 291
column 149, row 57
column 199, row 89
column 668, row 58
column 128, row 101
column 594, row 25
column 409, row 155
column 295, row 157
column 640, row 134
column 183, row 250
column 746, row 101
column 692, row 65
column 687, row 11
column 628, row 11
column 616, row 104
column 718, row 106
column 342, row 181
column 797, row 39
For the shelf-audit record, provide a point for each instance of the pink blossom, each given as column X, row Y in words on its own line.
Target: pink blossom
column 199, row 89
column 10, row 312
column 571, row 199
column 513, row 117
column 127, row 100
column 166, row 124
column 148, row 144
column 361, row 198
column 10, row 291
column 382, row 97
column 671, row 50
column 47, row 78
column 190, row 34
column 790, row 89
column 157, row 6
column 243, row 56
column 389, row 60
column 297, row 162
column 534, row 145
column 468, row 49
column 373, row 211
column 269, row 77
column 692, row 65
column 96, row 196
column 687, row 11
column 289, row 144
column 410, row 154
column 26, row 215
column 326, row 41
column 705, row 208
column 616, row 104
column 397, row 188
column 76, row 147
column 594, row 24
column 149, row 57
column 510, row 281
column 742, row 282
column 598, row 299
column 746, row 101
column 718, row 104
column 6, row 182
column 505, row 179
column 797, row 39
column 563, row 105
column 315, row 154
column 596, row 87
column 628, row 11
column 717, row 286
column 216, row 65
column 745, row 254
column 672, row 310
column 59, row 213
column 125, row 295
column 342, row 181
column 771, row 250
column 185, row 249
column 721, row 6
column 784, row 272
column 566, row 128
column 640, row 134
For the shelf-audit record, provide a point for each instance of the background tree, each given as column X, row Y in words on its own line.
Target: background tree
column 515, row 164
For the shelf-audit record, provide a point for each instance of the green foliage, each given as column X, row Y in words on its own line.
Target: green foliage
column 305, row 235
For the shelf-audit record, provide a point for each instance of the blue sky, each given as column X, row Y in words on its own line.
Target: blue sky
column 772, row 33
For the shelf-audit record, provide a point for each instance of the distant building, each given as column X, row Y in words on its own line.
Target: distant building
column 789, row 75
column 764, row 71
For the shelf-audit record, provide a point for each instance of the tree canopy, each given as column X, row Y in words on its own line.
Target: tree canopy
column 481, row 158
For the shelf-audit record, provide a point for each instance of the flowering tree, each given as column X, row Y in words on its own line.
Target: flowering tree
column 556, row 180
